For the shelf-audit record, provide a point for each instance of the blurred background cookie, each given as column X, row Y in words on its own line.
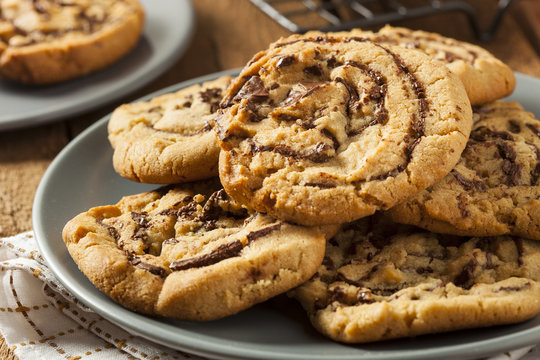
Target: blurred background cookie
column 46, row 41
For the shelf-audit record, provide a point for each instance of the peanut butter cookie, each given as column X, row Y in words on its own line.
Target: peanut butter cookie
column 494, row 188
column 321, row 130
column 168, row 139
column 189, row 252
column 485, row 77
column 382, row 281
column 49, row 41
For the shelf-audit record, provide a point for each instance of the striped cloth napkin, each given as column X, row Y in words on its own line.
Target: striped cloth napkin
column 39, row 319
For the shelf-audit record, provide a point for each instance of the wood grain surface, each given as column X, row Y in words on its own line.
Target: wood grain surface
column 227, row 34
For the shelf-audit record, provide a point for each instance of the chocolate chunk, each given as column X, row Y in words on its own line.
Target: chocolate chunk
column 315, row 70
column 392, row 173
column 514, row 126
column 285, row 61
column 140, row 218
column 253, row 90
column 462, row 206
column 489, row 261
column 509, row 167
column 534, row 129
column 322, row 185
column 365, row 297
column 333, row 62
column 466, row 277
column 468, row 184
column 156, row 270
column 520, row 250
column 327, row 133
column 422, row 270
column 263, row 232
column 337, row 294
column 515, row 288
column 110, row 229
column 222, row 252
column 305, row 89
column 328, row 262
column 188, row 210
column 353, row 100
column 210, row 209
column 483, row 133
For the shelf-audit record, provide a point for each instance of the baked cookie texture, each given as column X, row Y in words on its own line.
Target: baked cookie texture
column 189, row 252
column 321, row 130
column 168, row 139
column 485, row 77
column 494, row 188
column 49, row 41
column 383, row 281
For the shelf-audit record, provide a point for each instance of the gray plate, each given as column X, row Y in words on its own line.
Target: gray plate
column 82, row 176
column 167, row 32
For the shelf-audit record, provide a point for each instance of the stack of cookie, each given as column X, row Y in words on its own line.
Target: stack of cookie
column 323, row 144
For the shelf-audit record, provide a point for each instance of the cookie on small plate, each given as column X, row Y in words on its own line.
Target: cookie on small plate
column 485, row 77
column 46, row 41
column 189, row 252
column 322, row 130
column 494, row 189
column 168, row 139
column 381, row 281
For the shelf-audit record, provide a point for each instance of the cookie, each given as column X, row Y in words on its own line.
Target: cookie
column 494, row 189
column 485, row 77
column 383, row 282
column 189, row 252
column 322, row 130
column 47, row 41
column 168, row 139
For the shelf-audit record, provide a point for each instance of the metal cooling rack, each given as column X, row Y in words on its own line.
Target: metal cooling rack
column 326, row 15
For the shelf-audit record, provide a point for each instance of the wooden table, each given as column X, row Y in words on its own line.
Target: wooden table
column 227, row 34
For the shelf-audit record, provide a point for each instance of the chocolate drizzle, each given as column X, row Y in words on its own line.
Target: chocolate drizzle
column 509, row 166
column 316, row 154
column 110, row 229
column 222, row 252
column 137, row 262
column 468, row 184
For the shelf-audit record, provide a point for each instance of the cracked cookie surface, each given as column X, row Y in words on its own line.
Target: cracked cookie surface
column 485, row 77
column 384, row 281
column 168, row 139
column 189, row 252
column 48, row 41
column 494, row 189
column 326, row 130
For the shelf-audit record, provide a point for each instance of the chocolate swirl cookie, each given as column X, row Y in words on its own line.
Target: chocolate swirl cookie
column 494, row 189
column 48, row 41
column 321, row 130
column 485, row 77
column 168, row 139
column 190, row 252
column 381, row 281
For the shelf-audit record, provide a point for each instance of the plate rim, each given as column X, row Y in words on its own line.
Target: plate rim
column 138, row 78
column 205, row 347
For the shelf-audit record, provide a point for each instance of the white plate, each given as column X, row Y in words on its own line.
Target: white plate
column 167, row 32
column 82, row 176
